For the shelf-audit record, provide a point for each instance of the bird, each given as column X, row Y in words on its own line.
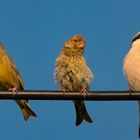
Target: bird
column 131, row 68
column 73, row 74
column 11, row 80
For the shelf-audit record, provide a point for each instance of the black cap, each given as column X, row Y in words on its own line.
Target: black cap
column 137, row 36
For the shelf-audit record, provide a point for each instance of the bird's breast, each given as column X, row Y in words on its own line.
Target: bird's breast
column 131, row 69
column 73, row 73
column 7, row 77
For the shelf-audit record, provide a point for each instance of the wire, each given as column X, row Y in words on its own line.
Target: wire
column 60, row 95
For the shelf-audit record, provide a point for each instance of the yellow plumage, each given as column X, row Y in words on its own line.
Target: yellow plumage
column 73, row 74
column 10, row 78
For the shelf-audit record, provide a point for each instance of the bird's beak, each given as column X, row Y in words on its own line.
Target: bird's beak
column 82, row 46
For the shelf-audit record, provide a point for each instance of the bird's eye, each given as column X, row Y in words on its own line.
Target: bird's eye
column 75, row 40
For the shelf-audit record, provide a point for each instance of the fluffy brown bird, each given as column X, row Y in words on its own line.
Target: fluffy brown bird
column 73, row 74
column 11, row 80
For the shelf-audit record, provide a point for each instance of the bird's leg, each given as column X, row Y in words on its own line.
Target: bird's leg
column 14, row 90
column 130, row 92
column 84, row 91
column 64, row 91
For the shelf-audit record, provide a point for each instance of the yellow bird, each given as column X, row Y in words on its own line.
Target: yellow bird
column 73, row 74
column 10, row 79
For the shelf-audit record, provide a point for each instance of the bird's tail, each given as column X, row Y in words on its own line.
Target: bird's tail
column 25, row 108
column 81, row 113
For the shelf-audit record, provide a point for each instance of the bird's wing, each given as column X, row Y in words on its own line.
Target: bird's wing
column 14, row 70
column 13, row 67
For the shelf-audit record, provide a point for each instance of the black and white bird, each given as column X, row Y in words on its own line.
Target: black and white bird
column 131, row 67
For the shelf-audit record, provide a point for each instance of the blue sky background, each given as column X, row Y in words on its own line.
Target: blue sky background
column 34, row 31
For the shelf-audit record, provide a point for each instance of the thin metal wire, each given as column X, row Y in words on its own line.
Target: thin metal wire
column 60, row 95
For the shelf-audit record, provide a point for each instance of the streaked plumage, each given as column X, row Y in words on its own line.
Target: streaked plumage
column 73, row 74
column 10, row 79
column 131, row 67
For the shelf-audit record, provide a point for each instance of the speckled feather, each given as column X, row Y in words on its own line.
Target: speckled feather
column 73, row 74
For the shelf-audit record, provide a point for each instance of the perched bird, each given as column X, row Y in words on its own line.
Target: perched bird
column 10, row 79
column 73, row 74
column 131, row 67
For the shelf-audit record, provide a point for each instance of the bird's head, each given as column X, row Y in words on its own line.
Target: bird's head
column 136, row 40
column 75, row 42
column 136, row 37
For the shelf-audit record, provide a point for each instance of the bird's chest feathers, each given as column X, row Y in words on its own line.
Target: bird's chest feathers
column 6, row 76
column 75, row 65
column 132, row 60
column 132, row 68
column 4, row 70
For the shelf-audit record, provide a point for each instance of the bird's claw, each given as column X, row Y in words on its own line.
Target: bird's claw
column 64, row 91
column 14, row 90
column 130, row 92
column 84, row 91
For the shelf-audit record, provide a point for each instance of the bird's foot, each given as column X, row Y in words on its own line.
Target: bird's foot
column 84, row 91
column 130, row 92
column 64, row 91
column 14, row 90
